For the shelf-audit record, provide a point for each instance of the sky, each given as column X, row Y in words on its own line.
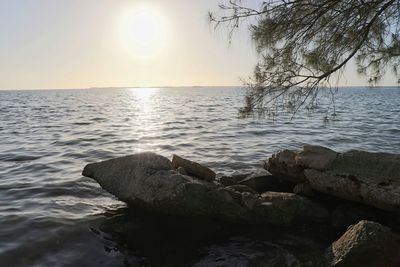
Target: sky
column 123, row 43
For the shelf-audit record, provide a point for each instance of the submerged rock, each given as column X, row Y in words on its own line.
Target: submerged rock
column 365, row 244
column 247, row 253
column 193, row 168
column 149, row 181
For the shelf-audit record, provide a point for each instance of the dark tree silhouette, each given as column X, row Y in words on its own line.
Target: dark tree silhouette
column 301, row 43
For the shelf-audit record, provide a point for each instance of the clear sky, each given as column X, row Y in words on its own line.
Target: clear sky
column 107, row 43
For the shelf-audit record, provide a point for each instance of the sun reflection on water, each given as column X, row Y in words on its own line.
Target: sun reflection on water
column 146, row 103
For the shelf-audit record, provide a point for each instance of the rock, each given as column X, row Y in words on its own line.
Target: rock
column 244, row 252
column 361, row 189
column 234, row 179
column 283, row 165
column 315, row 157
column 119, row 176
column 193, row 168
column 148, row 180
column 261, row 181
column 365, row 244
column 369, row 178
column 289, row 207
column 303, row 189
column 181, row 170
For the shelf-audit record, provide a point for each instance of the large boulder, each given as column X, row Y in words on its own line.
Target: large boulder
column 193, row 168
column 369, row 178
column 121, row 176
column 377, row 194
column 365, row 244
column 149, row 181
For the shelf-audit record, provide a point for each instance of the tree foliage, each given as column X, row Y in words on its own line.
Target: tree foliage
column 302, row 43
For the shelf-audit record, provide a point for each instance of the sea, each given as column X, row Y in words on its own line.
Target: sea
column 50, row 215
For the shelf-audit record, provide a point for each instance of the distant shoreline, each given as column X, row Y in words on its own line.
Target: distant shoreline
column 182, row 87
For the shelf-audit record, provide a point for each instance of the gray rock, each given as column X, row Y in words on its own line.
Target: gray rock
column 316, row 157
column 365, row 244
column 371, row 192
column 369, row 178
column 193, row 168
column 148, row 180
column 121, row 175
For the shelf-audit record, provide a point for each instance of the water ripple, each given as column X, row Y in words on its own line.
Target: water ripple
column 47, row 208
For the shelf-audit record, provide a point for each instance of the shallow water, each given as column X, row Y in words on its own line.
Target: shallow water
column 52, row 216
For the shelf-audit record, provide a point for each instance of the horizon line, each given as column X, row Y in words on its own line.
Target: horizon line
column 167, row 86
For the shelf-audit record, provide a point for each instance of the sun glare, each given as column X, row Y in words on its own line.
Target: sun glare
column 143, row 31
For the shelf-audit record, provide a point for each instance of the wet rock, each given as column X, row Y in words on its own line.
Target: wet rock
column 365, row 244
column 303, row 189
column 244, row 252
column 193, row 168
column 148, row 180
column 283, row 165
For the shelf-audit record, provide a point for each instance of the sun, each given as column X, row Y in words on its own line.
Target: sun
column 143, row 31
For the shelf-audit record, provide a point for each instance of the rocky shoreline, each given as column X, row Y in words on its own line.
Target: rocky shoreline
column 356, row 193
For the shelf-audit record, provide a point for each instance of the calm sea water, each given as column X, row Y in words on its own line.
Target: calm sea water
column 52, row 216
